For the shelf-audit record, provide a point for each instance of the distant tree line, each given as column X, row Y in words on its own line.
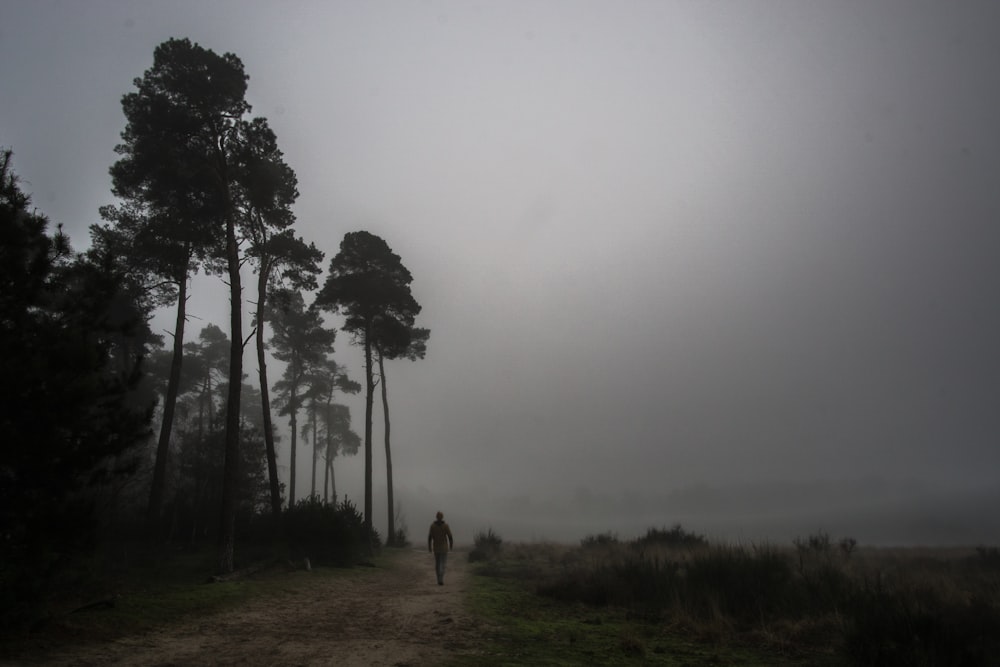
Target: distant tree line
column 103, row 422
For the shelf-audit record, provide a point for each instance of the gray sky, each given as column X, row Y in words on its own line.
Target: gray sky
column 733, row 264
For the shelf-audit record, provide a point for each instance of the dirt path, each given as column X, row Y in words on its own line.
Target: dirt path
column 397, row 616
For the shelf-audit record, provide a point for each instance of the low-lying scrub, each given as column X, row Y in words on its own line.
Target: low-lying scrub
column 486, row 545
column 820, row 598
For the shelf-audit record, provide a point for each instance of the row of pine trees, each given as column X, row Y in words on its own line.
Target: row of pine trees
column 96, row 405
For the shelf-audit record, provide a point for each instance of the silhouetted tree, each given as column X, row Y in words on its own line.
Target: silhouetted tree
column 329, row 422
column 107, row 262
column 394, row 340
column 166, row 265
column 173, row 179
column 269, row 187
column 175, row 176
column 189, row 151
column 340, row 439
column 209, row 359
column 367, row 282
column 199, row 440
column 202, row 437
column 301, row 341
column 73, row 340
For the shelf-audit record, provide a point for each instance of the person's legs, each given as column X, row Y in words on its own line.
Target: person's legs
column 439, row 562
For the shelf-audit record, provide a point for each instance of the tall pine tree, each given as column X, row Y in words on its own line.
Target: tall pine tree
column 368, row 284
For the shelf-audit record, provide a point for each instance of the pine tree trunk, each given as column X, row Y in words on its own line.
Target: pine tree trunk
column 293, row 423
column 390, row 537
column 326, row 481
column 328, row 469
column 312, row 492
column 158, row 487
column 333, row 481
column 265, row 398
column 369, row 399
column 230, row 476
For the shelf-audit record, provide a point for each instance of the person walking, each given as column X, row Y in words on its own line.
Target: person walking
column 439, row 541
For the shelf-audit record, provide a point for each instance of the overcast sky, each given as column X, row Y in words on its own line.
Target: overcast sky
column 734, row 264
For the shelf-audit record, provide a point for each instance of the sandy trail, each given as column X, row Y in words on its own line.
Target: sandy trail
column 397, row 616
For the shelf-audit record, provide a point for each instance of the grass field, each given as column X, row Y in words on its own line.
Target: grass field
column 673, row 598
column 529, row 629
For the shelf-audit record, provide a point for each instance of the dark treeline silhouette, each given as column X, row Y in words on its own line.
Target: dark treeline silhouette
column 107, row 431
column 74, row 407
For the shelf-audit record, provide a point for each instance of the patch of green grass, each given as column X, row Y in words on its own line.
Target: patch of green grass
column 667, row 605
column 527, row 629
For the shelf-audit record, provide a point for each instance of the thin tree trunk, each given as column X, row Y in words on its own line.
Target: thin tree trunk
column 326, row 477
column 333, row 480
column 211, row 407
column 390, row 537
column 369, row 399
column 293, row 409
column 201, row 411
column 328, row 474
column 158, row 487
column 315, row 450
column 265, row 399
column 230, row 477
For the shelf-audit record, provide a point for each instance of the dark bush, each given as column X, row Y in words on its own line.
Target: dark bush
column 401, row 539
column 824, row 588
column 486, row 545
column 40, row 562
column 917, row 627
column 989, row 557
column 848, row 546
column 327, row 534
column 675, row 537
column 739, row 582
column 650, row 583
column 599, row 540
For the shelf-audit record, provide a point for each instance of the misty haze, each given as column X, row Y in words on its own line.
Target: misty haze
column 563, row 271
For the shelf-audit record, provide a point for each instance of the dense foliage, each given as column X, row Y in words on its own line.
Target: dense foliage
column 73, row 338
column 327, row 533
